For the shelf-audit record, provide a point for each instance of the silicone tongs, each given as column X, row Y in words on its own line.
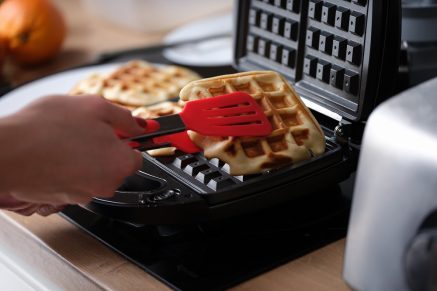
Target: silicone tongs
column 234, row 114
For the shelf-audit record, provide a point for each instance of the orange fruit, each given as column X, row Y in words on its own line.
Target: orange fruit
column 34, row 29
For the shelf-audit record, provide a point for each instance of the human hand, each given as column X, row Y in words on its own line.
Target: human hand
column 64, row 150
column 7, row 202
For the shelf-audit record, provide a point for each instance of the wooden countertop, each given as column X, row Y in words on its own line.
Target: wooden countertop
column 62, row 253
column 73, row 259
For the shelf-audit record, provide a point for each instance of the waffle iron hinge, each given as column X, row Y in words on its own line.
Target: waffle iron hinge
column 349, row 133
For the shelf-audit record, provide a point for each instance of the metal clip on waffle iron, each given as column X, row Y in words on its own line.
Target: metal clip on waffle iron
column 341, row 56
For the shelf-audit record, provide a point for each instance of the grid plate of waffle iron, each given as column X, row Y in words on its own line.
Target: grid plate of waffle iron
column 190, row 188
column 339, row 54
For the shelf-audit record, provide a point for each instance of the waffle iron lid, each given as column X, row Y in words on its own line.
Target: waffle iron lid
column 341, row 55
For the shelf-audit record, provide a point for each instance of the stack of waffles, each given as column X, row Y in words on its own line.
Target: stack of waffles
column 296, row 134
column 137, row 84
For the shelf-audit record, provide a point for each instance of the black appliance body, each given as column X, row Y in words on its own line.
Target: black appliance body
column 186, row 221
column 341, row 56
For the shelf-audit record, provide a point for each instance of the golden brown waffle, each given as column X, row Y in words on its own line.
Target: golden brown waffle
column 296, row 134
column 137, row 83
column 91, row 85
column 158, row 110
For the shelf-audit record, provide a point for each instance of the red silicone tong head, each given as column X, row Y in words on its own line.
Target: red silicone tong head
column 235, row 114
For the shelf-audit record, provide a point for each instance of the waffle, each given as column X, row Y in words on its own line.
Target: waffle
column 137, row 83
column 158, row 110
column 296, row 134
column 91, row 85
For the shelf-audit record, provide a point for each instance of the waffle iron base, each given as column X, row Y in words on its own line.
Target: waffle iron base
column 186, row 189
column 223, row 253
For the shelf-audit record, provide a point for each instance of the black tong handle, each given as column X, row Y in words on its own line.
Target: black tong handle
column 167, row 125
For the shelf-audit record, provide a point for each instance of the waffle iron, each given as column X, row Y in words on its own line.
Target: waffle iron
column 342, row 58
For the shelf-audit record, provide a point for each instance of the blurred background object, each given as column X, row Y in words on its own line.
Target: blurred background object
column 34, row 30
column 215, row 51
column 96, row 27
column 154, row 16
column 419, row 47
column 3, row 49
